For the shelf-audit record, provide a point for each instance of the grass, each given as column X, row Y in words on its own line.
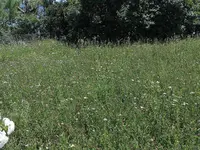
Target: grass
column 139, row 97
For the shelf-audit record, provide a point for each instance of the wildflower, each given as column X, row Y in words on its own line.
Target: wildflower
column 10, row 124
column 184, row 103
column 141, row 107
column 3, row 138
column 170, row 87
column 85, row 97
column 71, row 145
column 157, row 82
column 175, row 100
column 192, row 93
column 152, row 140
column 105, row 119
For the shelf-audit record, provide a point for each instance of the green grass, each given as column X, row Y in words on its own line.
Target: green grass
column 131, row 97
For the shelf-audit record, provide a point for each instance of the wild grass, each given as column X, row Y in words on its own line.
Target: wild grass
column 138, row 97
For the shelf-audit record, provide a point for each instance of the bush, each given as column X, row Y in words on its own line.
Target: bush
column 62, row 20
column 118, row 20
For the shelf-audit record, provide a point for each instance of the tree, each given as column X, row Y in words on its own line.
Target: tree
column 11, row 8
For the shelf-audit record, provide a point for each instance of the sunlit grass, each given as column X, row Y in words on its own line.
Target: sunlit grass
column 141, row 96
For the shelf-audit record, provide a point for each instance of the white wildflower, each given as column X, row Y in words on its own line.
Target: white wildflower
column 10, row 124
column 3, row 138
column 71, row 145
column 184, row 103
column 151, row 139
column 105, row 119
column 192, row 93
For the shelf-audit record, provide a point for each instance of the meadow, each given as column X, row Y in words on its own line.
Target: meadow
column 125, row 97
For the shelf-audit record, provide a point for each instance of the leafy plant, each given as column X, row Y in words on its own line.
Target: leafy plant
column 11, row 9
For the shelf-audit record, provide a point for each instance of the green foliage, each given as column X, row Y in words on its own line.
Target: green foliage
column 112, row 20
column 8, row 12
column 117, row 20
column 11, row 7
column 3, row 127
column 105, row 20
column 61, row 19
column 27, row 24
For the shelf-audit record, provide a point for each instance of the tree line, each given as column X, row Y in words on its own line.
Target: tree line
column 100, row 20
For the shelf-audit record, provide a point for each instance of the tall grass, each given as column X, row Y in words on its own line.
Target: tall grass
column 141, row 96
